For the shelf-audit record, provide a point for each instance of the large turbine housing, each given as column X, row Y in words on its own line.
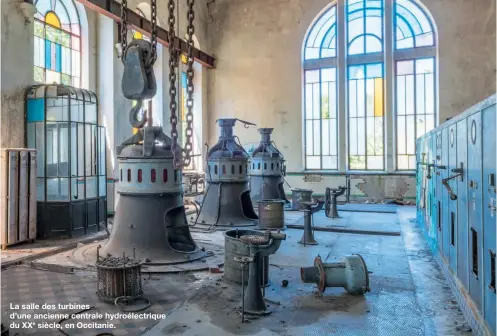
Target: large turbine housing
column 267, row 170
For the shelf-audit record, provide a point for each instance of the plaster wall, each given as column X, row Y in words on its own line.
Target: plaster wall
column 258, row 77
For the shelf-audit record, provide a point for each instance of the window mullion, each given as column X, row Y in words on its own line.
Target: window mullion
column 389, row 82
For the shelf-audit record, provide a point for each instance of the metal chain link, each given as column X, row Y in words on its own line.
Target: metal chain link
column 153, row 42
column 124, row 27
column 189, row 87
column 172, row 85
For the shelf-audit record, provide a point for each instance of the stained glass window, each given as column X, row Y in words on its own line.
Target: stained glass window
column 413, row 28
column 57, row 39
column 415, row 107
column 364, row 26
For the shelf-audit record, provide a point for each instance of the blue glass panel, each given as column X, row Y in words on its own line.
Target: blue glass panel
column 36, row 110
column 58, row 58
column 413, row 27
column 48, row 54
column 183, row 80
column 365, row 26
column 321, row 35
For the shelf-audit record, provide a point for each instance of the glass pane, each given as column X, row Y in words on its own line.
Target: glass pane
column 102, row 187
column 412, row 22
column 58, row 189
column 81, row 150
column 31, row 132
column 39, row 52
column 57, row 113
column 88, row 151
column 317, row 137
column 410, row 136
column 74, row 149
column 91, row 187
column 309, row 148
column 78, row 188
column 401, row 135
column 76, row 111
column 52, row 77
column 39, row 75
column 321, row 35
column 52, row 149
column 102, row 148
column 40, row 189
column 39, row 29
column 63, row 149
column 40, row 148
column 94, row 149
column 66, row 79
column 313, row 162
column 91, row 113
column 330, row 162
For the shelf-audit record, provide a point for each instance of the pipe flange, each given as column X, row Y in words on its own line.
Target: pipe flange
column 255, row 240
column 318, row 263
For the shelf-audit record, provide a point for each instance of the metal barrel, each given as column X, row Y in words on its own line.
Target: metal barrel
column 234, row 247
column 299, row 196
column 271, row 214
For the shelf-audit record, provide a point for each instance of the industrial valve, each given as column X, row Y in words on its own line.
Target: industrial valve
column 459, row 173
column 350, row 272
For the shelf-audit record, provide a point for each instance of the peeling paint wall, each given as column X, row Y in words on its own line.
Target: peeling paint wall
column 259, row 76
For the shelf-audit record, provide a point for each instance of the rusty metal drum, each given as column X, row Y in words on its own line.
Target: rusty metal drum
column 271, row 214
column 234, row 247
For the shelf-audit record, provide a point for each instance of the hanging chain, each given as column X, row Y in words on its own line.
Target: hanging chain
column 172, row 85
column 153, row 41
column 124, row 28
column 189, row 86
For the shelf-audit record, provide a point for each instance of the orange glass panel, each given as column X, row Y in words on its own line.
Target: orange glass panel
column 52, row 19
column 378, row 97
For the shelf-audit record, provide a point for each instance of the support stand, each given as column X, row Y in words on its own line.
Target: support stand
column 331, row 196
column 309, row 210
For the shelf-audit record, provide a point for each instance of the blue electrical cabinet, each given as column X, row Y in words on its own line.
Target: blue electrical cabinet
column 474, row 202
column 452, row 130
column 462, row 204
column 489, row 213
column 457, row 202
column 444, row 173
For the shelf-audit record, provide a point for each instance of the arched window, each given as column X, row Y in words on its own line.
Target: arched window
column 415, row 79
column 320, row 112
column 347, row 77
column 57, row 43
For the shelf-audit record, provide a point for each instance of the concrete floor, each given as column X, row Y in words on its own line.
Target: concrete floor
column 408, row 292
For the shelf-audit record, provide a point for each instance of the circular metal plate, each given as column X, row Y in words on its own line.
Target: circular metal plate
column 86, row 256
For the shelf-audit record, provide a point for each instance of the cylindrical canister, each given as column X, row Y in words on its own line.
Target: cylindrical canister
column 234, row 247
column 271, row 214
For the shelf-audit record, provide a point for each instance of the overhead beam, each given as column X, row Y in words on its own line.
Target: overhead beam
column 112, row 9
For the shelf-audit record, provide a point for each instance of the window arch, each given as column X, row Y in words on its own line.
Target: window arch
column 57, row 42
column 354, row 63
